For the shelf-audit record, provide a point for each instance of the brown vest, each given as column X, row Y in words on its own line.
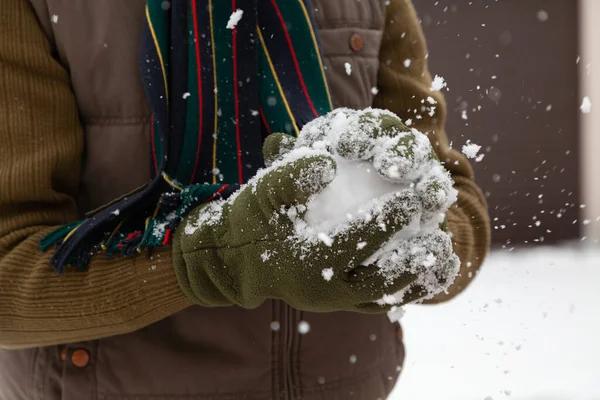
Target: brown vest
column 200, row 353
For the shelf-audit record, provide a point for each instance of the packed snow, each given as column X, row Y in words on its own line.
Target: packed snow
column 234, row 18
column 355, row 185
column 526, row 329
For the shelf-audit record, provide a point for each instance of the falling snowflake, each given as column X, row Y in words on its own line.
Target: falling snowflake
column 470, row 149
column 586, row 105
column 275, row 326
column 235, row 17
column 303, row 327
column 438, row 83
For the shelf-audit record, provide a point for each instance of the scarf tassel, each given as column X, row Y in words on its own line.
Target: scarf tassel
column 123, row 239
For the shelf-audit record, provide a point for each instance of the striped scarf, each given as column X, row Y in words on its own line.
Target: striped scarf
column 217, row 86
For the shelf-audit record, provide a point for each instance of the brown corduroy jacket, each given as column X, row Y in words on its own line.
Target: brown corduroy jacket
column 74, row 135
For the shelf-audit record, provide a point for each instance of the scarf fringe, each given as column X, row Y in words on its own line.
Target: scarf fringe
column 157, row 231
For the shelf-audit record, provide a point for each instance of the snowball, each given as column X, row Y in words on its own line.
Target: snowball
column 327, row 274
column 407, row 62
column 470, row 149
column 234, row 18
column 586, row 105
column 55, row 19
column 348, row 68
column 354, row 185
column 438, row 83
column 186, row 95
column 542, row 15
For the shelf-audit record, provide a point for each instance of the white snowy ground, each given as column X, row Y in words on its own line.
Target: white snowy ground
column 528, row 328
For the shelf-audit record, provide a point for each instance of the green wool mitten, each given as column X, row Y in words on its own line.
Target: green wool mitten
column 256, row 245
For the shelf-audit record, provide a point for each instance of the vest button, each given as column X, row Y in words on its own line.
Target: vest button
column 357, row 42
column 63, row 354
column 80, row 358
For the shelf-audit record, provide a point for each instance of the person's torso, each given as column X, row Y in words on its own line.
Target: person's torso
column 200, row 353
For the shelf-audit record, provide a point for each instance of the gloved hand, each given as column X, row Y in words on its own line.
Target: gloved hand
column 399, row 155
column 256, row 246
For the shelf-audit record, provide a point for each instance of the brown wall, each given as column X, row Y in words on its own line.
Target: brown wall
column 529, row 151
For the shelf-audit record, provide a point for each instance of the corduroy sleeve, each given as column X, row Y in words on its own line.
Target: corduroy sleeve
column 41, row 148
column 404, row 87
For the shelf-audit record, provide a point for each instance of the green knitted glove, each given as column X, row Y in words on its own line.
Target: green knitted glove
column 256, row 246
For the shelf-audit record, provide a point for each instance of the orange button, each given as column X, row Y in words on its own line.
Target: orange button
column 80, row 358
column 63, row 354
column 357, row 42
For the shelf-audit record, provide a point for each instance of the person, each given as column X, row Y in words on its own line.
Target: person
column 75, row 127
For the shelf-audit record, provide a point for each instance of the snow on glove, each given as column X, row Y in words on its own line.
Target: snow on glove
column 256, row 246
column 399, row 154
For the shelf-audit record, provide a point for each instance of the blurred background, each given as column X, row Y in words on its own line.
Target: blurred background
column 523, row 77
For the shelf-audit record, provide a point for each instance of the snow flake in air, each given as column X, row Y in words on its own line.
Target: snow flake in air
column 303, row 327
column 235, row 17
column 438, row 83
column 470, row 149
column 586, row 105
column 348, row 68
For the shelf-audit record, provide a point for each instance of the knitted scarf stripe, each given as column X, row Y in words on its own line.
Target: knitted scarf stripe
column 216, row 90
